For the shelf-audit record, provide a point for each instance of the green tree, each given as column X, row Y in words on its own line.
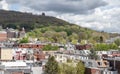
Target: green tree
column 82, row 35
column 67, row 69
column 74, row 41
column 24, row 40
column 50, row 48
column 117, row 42
column 105, row 47
column 73, row 37
column 80, row 68
column 101, row 39
column 113, row 46
column 52, row 66
column 92, row 54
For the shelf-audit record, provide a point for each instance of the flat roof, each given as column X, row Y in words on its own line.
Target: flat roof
column 13, row 64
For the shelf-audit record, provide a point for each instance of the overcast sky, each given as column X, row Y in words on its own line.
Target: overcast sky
column 103, row 15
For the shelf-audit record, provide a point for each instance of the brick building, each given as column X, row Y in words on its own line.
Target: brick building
column 82, row 47
column 33, row 46
column 11, row 33
column 3, row 36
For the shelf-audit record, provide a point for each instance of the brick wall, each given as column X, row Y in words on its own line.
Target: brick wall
column 92, row 71
column 30, row 46
column 17, row 73
column 3, row 36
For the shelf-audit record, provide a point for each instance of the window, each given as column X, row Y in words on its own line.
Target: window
column 99, row 63
column 90, row 64
column 105, row 63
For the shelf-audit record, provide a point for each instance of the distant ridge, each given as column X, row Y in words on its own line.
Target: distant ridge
column 16, row 19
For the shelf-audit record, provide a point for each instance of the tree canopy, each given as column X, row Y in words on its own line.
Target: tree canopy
column 80, row 68
column 49, row 47
column 52, row 66
column 105, row 47
column 24, row 40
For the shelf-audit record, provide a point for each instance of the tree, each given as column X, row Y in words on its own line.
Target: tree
column 52, row 66
column 105, row 47
column 67, row 69
column 50, row 48
column 82, row 35
column 74, row 41
column 101, row 39
column 113, row 46
column 93, row 54
column 80, row 68
column 24, row 40
column 73, row 37
column 117, row 42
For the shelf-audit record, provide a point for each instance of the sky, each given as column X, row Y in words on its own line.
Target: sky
column 102, row 15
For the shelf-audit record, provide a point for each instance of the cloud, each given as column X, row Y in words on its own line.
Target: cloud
column 4, row 5
column 102, row 19
column 61, row 6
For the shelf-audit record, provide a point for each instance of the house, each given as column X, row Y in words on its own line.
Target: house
column 20, row 54
column 109, row 54
column 83, row 47
column 28, row 54
column 102, row 54
column 114, row 63
column 60, row 57
column 22, row 33
column 98, row 67
column 38, row 55
column 6, row 54
column 114, row 53
column 73, row 55
column 3, row 36
column 15, row 67
column 30, row 45
column 70, row 46
column 11, row 33
column 37, row 70
column 83, row 54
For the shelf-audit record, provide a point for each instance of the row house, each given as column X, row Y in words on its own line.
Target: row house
column 108, row 54
column 65, row 55
column 33, row 46
column 6, row 54
column 83, row 47
column 3, row 36
column 114, row 53
column 16, row 67
column 12, row 33
column 28, row 54
column 98, row 67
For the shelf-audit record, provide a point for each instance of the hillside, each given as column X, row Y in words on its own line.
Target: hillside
column 50, row 28
column 28, row 20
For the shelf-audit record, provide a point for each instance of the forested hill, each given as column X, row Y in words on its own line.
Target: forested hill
column 17, row 20
column 35, row 23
